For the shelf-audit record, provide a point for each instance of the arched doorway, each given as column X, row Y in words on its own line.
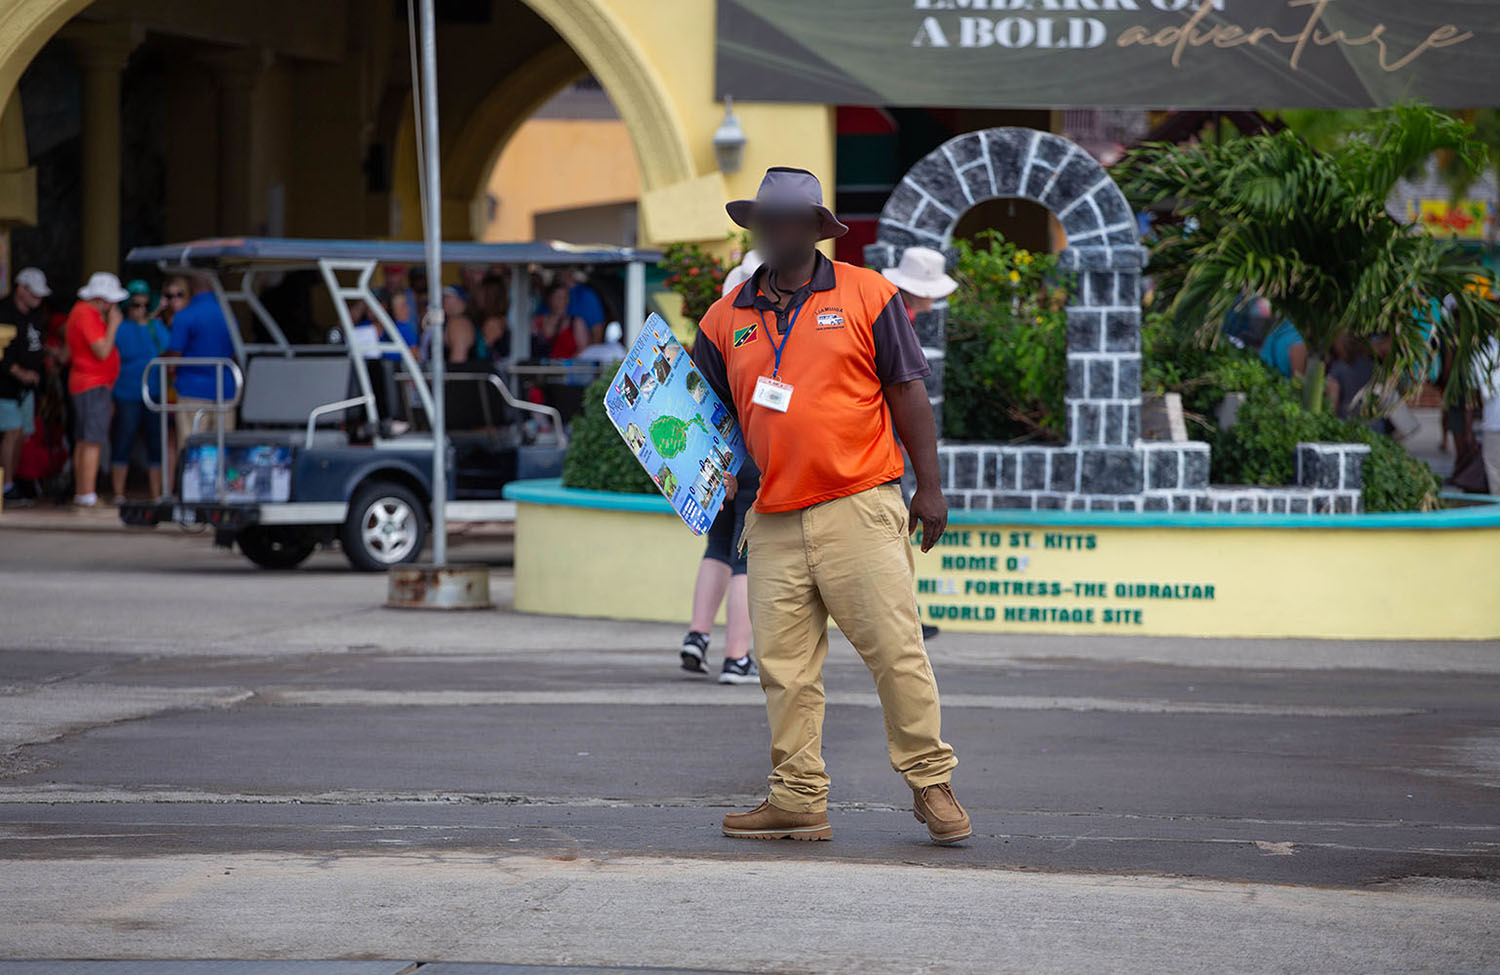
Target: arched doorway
column 587, row 40
column 1103, row 400
column 1103, row 465
column 328, row 101
column 568, row 172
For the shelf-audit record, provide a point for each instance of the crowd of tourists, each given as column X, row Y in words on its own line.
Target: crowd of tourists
column 74, row 419
column 72, row 400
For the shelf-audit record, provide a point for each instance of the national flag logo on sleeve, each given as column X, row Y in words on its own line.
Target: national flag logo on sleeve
column 744, row 336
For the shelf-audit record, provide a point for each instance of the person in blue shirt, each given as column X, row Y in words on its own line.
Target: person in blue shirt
column 584, row 303
column 405, row 318
column 140, row 339
column 199, row 331
column 1284, row 350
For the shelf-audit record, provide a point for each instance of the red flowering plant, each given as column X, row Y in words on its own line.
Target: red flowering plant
column 696, row 274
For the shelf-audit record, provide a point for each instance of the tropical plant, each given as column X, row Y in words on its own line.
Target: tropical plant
column 1005, row 370
column 1309, row 231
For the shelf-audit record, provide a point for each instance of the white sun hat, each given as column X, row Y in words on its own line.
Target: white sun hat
column 104, row 285
column 34, row 281
column 921, row 273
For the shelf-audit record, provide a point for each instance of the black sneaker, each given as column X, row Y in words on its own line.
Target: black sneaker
column 695, row 652
column 13, row 498
column 741, row 671
column 929, row 631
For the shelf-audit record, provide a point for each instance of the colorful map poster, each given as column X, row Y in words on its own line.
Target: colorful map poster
column 675, row 425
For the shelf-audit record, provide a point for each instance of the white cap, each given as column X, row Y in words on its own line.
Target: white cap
column 921, row 273
column 613, row 332
column 104, row 285
column 744, row 272
column 33, row 280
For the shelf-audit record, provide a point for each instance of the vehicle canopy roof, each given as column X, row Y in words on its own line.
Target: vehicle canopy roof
column 222, row 251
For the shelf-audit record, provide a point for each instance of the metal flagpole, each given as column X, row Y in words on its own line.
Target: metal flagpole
column 433, row 234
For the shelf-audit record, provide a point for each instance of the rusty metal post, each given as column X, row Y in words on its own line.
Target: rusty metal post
column 414, row 586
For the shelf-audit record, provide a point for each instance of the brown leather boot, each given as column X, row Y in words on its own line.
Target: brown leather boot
column 946, row 820
column 768, row 822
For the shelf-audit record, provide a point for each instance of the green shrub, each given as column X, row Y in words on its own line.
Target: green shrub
column 1005, row 371
column 1174, row 363
column 598, row 459
column 1261, row 446
column 1260, row 449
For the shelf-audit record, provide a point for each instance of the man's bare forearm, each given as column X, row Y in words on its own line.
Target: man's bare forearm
column 911, row 411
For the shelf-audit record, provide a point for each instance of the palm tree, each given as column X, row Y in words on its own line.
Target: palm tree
column 1308, row 230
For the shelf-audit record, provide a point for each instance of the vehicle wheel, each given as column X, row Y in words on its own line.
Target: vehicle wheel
column 276, row 548
column 387, row 525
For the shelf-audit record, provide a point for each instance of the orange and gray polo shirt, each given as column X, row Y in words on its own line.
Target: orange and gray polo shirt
column 850, row 339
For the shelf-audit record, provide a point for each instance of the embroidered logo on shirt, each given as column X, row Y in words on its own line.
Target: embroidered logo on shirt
column 744, row 336
column 830, row 319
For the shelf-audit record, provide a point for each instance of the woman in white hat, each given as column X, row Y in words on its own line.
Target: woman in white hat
column 922, row 281
column 741, row 272
column 921, row 278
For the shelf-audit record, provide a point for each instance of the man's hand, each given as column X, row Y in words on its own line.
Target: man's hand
column 731, row 486
column 929, row 507
column 912, row 413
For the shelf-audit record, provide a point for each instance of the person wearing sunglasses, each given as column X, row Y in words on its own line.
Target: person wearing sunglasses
column 141, row 338
column 174, row 298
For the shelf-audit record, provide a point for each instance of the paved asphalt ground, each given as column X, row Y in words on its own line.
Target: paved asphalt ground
column 200, row 760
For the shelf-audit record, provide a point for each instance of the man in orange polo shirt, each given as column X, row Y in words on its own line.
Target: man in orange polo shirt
column 821, row 365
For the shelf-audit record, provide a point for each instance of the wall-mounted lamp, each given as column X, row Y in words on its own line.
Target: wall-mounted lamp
column 729, row 140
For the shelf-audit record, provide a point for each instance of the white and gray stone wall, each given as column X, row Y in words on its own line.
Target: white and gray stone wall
column 1104, row 466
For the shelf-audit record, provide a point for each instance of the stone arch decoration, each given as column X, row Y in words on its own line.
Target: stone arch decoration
column 1104, row 465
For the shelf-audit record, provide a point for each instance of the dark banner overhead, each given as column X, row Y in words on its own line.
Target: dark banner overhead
column 1111, row 53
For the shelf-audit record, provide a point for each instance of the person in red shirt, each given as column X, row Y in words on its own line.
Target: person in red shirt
column 91, row 331
column 820, row 364
column 557, row 333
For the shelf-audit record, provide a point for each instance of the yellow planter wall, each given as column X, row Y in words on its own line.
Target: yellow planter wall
column 625, row 565
column 1367, row 577
column 1338, row 583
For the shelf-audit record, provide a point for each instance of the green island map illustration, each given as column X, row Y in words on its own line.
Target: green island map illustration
column 675, row 425
column 669, row 434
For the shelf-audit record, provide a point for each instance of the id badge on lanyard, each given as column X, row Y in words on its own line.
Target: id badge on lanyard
column 770, row 391
column 773, row 394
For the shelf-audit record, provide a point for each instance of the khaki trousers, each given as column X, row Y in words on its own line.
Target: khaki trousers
column 850, row 559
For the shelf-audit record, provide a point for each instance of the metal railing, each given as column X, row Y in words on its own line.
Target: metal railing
column 312, row 418
column 498, row 384
column 560, row 438
column 219, row 407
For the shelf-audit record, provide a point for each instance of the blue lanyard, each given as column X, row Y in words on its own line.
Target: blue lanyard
column 776, row 370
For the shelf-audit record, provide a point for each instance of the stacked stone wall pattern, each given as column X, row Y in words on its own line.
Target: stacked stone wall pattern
column 1104, row 466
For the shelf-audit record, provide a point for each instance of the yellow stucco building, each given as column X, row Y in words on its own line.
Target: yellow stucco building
column 294, row 116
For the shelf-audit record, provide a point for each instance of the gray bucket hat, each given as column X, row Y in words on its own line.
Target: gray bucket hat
column 788, row 190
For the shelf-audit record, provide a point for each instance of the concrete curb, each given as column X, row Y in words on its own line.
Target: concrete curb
column 105, row 518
